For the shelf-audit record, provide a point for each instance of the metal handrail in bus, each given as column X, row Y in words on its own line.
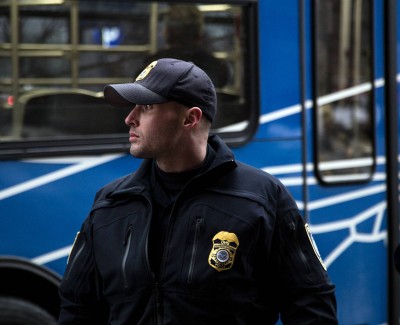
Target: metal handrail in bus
column 23, row 100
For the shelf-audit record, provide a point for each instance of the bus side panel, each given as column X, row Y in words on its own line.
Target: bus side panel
column 57, row 197
column 279, row 71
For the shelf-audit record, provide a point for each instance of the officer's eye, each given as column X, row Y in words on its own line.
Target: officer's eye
column 147, row 107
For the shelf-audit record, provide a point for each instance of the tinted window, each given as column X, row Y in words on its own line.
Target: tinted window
column 344, row 90
column 66, row 53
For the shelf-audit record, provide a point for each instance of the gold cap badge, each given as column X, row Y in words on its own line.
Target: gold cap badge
column 146, row 71
column 223, row 252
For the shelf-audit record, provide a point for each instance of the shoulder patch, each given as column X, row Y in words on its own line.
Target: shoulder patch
column 73, row 245
column 314, row 245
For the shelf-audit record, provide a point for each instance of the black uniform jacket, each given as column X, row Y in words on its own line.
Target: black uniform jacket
column 236, row 252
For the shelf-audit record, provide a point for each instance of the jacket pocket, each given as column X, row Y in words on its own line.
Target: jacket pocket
column 194, row 248
column 127, row 244
column 302, row 256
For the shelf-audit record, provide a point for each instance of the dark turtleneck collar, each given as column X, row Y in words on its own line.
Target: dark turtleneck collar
column 168, row 185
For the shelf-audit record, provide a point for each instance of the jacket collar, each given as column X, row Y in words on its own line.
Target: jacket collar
column 137, row 182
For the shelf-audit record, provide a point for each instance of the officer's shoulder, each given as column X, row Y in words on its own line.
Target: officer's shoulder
column 262, row 182
column 256, row 174
column 114, row 185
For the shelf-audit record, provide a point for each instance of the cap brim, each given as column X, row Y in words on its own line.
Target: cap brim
column 128, row 94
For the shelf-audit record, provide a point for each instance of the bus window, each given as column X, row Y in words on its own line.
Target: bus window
column 71, row 113
column 58, row 56
column 344, row 140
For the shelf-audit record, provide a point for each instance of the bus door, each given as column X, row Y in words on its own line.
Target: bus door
column 347, row 206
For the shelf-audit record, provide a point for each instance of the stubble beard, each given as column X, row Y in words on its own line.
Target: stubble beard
column 140, row 151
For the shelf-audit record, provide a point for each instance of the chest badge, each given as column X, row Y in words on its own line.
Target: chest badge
column 223, row 252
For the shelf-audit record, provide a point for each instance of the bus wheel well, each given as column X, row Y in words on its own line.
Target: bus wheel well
column 30, row 282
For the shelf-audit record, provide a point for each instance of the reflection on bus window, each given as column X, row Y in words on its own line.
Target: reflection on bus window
column 184, row 38
column 82, row 45
column 344, row 90
column 66, row 112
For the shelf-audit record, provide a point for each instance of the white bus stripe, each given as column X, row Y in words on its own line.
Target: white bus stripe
column 52, row 256
column 54, row 176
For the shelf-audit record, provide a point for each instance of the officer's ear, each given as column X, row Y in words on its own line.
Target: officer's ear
column 193, row 116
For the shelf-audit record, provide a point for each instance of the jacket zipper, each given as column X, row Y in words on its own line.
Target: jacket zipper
column 156, row 290
column 158, row 303
column 156, row 287
column 127, row 244
column 194, row 249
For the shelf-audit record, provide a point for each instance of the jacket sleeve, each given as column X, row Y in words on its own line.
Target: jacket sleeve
column 80, row 289
column 306, row 294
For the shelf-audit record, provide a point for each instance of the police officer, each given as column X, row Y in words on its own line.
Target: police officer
column 193, row 236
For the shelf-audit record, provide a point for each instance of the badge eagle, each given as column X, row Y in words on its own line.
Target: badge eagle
column 223, row 252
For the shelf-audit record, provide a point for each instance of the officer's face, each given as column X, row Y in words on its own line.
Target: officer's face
column 155, row 130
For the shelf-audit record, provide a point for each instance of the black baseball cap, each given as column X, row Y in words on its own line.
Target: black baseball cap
column 167, row 80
